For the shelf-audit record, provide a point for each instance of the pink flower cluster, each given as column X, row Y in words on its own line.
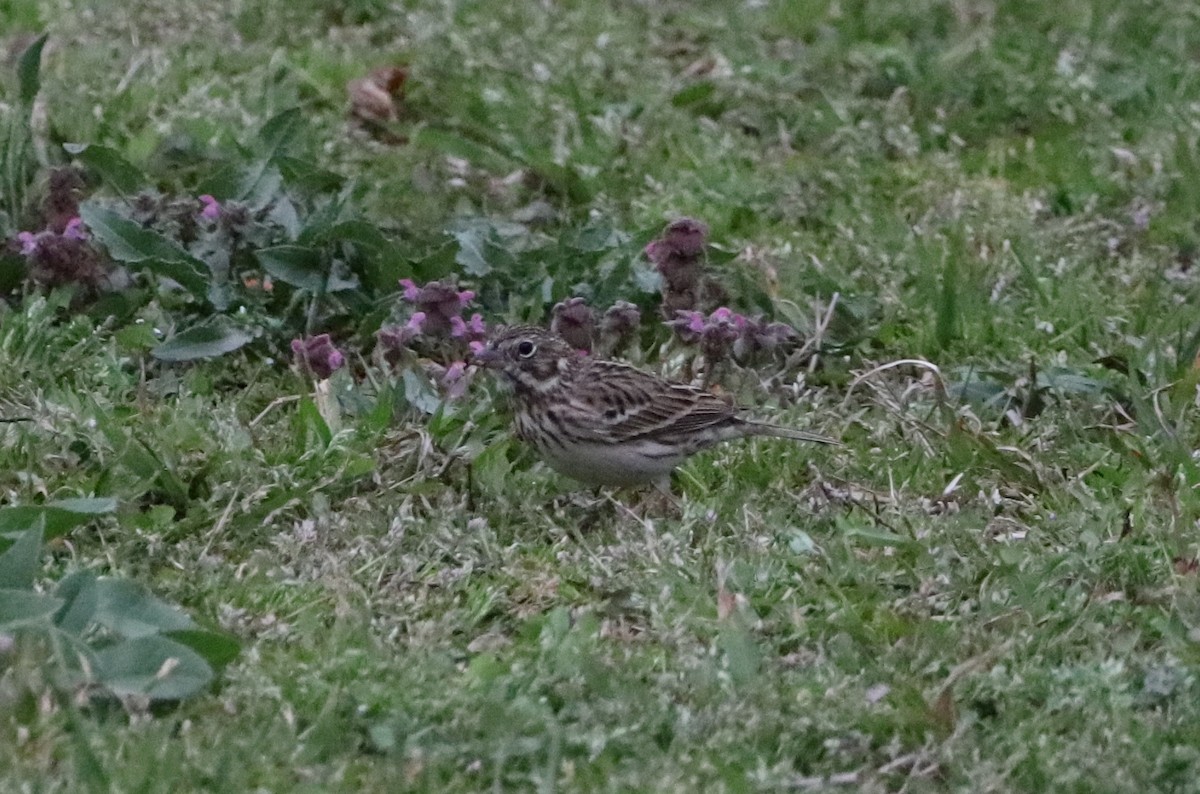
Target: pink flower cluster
column 58, row 259
column 439, row 316
column 30, row 242
column 576, row 322
column 678, row 256
column 439, row 306
column 725, row 332
column 441, row 302
column 317, row 356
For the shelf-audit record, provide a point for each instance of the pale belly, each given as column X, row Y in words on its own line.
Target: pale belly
column 641, row 463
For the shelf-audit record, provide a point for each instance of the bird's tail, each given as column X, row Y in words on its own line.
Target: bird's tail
column 776, row 431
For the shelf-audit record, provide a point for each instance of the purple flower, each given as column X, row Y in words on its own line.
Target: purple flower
column 618, row 324
column 720, row 331
column 411, row 290
column 75, row 229
column 29, row 243
column 212, row 208
column 688, row 326
column 57, row 260
column 678, row 256
column 472, row 330
column 476, row 347
column 455, row 380
column 440, row 301
column 758, row 336
column 682, row 239
column 318, row 356
column 398, row 337
column 574, row 321
column 723, row 314
column 620, row 319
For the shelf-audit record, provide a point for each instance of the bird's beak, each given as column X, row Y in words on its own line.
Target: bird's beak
column 489, row 358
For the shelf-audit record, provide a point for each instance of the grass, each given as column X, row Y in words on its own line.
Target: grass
column 991, row 587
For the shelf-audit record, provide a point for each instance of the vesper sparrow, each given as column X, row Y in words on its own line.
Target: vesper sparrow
column 607, row 423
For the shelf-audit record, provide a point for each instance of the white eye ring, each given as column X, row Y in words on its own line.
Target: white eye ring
column 526, row 349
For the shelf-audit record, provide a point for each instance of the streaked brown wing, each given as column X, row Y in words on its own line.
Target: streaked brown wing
column 629, row 404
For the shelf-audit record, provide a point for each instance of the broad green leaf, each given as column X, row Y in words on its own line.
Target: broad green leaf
column 598, row 237
column 131, row 610
column 308, row 176
column 111, row 165
column 154, row 667
column 259, row 185
column 419, row 393
column 300, row 266
column 29, row 70
column 19, row 563
column 217, row 648
column 128, row 242
column 60, row 516
column 208, row 340
column 361, row 233
column 80, row 598
column 89, row 506
column 24, row 608
column 472, row 243
column 280, row 130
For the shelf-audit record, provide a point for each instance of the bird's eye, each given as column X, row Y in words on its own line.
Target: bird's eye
column 526, row 349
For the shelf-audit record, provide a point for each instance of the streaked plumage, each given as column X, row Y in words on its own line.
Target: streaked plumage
column 607, row 423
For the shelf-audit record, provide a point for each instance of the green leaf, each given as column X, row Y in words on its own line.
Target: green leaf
column 128, row 242
column 88, row 506
column 280, row 130
column 456, row 145
column 154, row 667
column 111, row 165
column 259, row 185
column 491, row 468
column 207, row 340
column 131, row 610
column 29, row 70
column 741, row 653
column 300, row 266
column 13, row 268
column 19, row 564
column 420, row 394
column 694, row 93
column 60, row 516
column 308, row 418
column 565, row 180
column 80, row 598
column 136, row 338
column 307, row 175
column 217, row 648
column 25, row 608
column 471, row 237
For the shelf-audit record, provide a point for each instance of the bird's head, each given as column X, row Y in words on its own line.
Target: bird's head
column 531, row 359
